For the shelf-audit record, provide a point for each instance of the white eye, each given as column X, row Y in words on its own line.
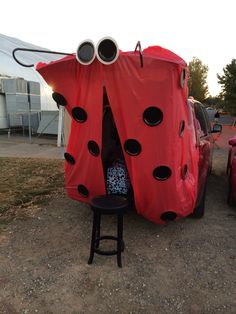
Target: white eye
column 85, row 53
column 107, row 50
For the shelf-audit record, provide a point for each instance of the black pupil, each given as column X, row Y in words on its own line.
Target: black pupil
column 86, row 52
column 107, row 50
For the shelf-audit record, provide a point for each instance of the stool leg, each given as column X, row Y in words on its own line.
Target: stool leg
column 120, row 239
column 98, row 230
column 94, row 232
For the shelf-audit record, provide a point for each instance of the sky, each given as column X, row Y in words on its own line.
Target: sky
column 204, row 29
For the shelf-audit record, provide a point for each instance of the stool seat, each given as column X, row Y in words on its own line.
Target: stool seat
column 107, row 205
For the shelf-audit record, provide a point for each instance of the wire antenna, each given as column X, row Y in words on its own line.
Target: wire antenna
column 35, row 50
column 138, row 46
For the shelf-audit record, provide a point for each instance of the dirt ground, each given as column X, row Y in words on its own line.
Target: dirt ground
column 187, row 266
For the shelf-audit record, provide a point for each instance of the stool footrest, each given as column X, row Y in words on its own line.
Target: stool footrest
column 102, row 252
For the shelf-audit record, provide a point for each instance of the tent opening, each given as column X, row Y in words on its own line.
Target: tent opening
column 115, row 171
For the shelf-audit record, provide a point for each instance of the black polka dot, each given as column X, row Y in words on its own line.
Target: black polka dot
column 132, row 147
column 152, row 116
column 93, row 148
column 162, row 173
column 79, row 114
column 181, row 128
column 184, row 171
column 83, row 191
column 168, row 216
column 182, row 78
column 59, row 99
column 69, row 158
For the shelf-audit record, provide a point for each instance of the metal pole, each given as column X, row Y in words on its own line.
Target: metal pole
column 29, row 111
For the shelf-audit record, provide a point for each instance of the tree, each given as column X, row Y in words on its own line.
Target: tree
column 228, row 85
column 197, row 82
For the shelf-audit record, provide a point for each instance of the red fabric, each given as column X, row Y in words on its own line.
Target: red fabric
column 131, row 89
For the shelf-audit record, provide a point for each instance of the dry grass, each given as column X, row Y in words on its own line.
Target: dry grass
column 27, row 182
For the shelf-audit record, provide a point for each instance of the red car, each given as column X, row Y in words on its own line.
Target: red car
column 231, row 171
column 205, row 144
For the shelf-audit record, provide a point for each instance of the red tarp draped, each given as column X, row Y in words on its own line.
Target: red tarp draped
column 131, row 89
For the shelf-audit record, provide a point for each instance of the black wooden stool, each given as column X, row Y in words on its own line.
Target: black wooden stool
column 107, row 205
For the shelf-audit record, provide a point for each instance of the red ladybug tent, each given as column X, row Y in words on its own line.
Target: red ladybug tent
column 153, row 120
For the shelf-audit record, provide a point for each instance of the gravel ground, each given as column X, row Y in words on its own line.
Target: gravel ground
column 187, row 266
